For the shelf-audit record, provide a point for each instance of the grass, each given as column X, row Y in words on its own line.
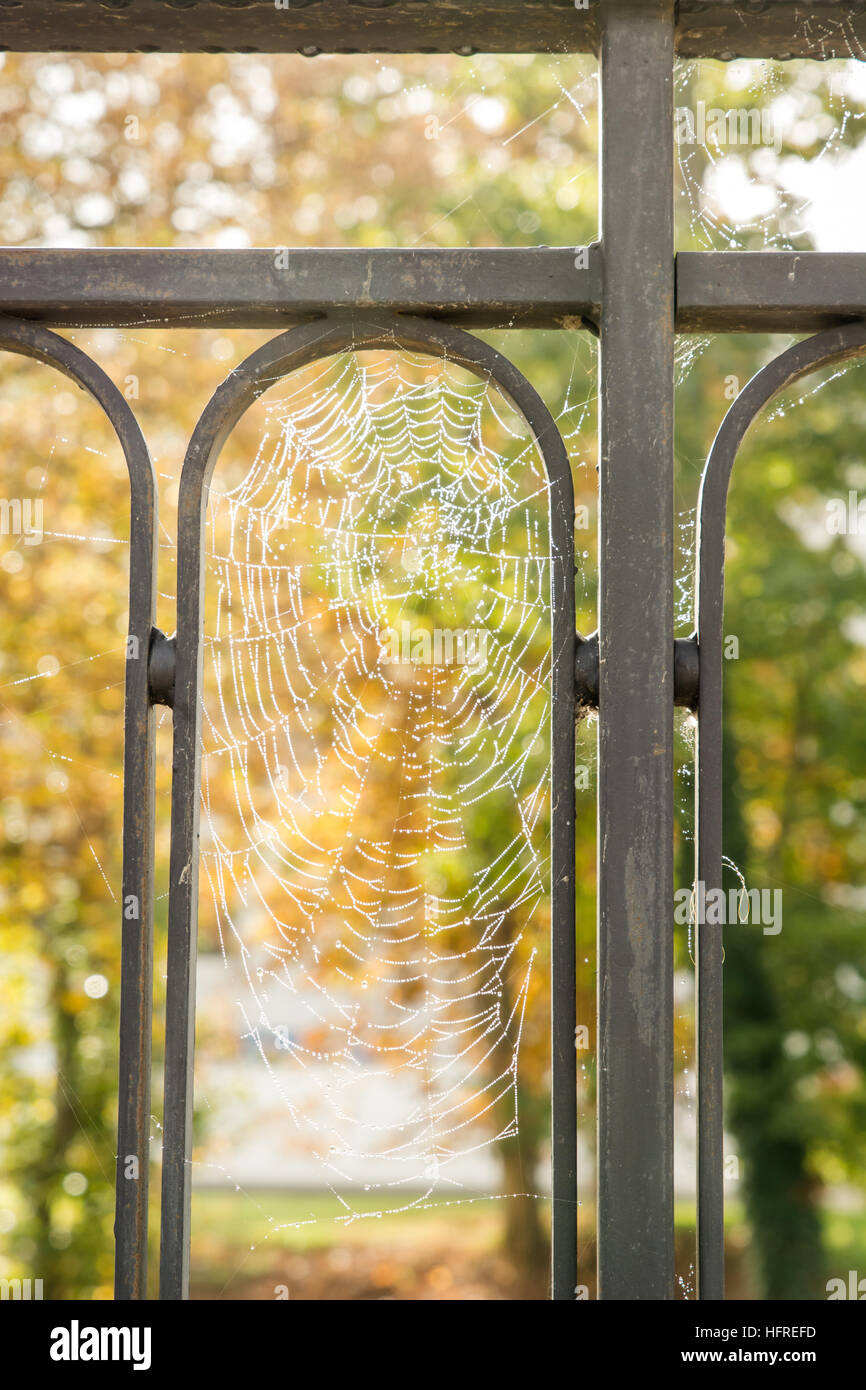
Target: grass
column 245, row 1242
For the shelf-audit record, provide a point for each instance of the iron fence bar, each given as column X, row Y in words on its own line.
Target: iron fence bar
column 768, row 291
column 136, row 977
column 636, row 688
column 304, row 26
column 724, row 292
column 723, row 29
column 530, row 287
column 482, row 288
column 827, row 349
column 289, row 352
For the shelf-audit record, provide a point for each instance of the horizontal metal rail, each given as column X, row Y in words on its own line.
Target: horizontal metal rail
column 272, row 288
column 635, row 672
column 769, row 291
column 533, row 287
column 719, row 29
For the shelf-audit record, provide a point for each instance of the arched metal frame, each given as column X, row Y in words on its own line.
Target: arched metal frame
column 638, row 291
column 291, row 351
column 136, row 983
column 824, row 350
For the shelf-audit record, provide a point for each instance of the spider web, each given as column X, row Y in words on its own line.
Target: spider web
column 375, row 762
column 791, row 179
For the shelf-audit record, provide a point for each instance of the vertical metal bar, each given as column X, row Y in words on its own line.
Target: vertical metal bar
column 136, row 953
column 136, row 974
column 183, row 894
column 834, row 346
column 709, row 938
column 563, row 962
column 635, row 1199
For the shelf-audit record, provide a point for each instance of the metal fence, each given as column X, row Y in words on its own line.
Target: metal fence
column 636, row 294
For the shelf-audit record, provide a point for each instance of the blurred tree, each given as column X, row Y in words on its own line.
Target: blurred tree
column 781, row 1190
column 158, row 150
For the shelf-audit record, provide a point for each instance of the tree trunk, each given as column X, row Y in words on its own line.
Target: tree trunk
column 525, row 1240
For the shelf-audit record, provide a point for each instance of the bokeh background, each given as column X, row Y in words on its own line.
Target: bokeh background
column 243, row 151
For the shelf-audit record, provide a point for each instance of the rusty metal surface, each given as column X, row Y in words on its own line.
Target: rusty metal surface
column 720, row 29
column 533, row 287
column 768, row 291
column 305, row 26
column 481, row 288
column 636, row 659
column 783, row 29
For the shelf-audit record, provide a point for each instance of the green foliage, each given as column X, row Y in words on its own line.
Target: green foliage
column 220, row 151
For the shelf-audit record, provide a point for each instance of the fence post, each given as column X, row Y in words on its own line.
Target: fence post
column 635, row 964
